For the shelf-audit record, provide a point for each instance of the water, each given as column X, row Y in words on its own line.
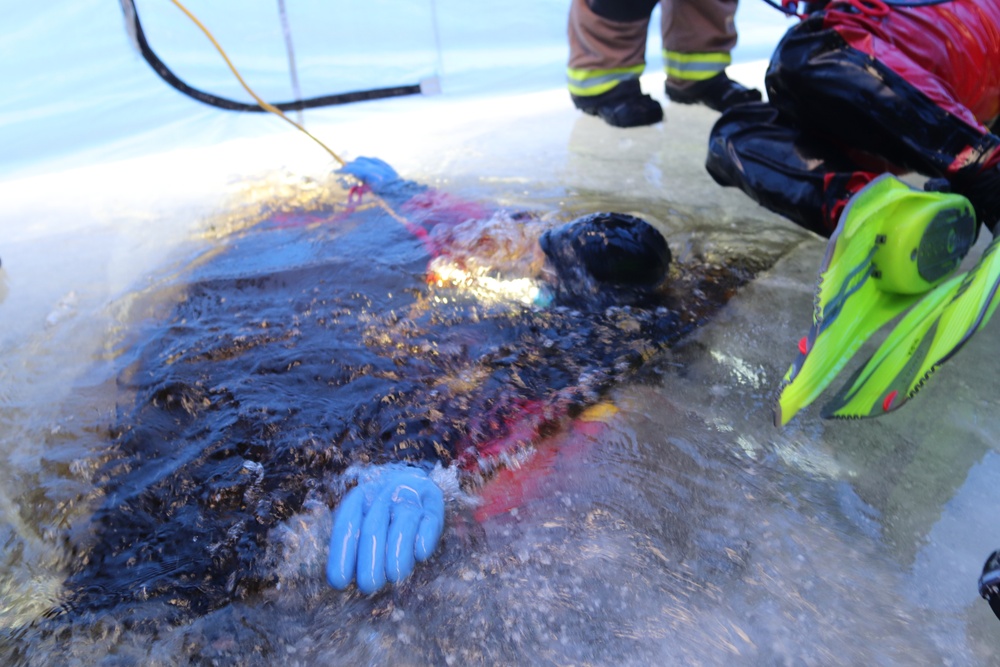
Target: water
column 682, row 528
column 235, row 409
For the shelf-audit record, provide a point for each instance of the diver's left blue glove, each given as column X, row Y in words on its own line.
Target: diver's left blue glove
column 391, row 519
column 371, row 171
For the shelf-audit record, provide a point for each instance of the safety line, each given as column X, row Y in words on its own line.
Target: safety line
column 270, row 107
column 265, row 105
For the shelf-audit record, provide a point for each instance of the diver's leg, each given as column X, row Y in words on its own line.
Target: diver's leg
column 755, row 148
column 902, row 113
column 607, row 44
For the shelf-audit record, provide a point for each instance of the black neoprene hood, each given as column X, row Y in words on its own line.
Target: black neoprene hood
column 613, row 248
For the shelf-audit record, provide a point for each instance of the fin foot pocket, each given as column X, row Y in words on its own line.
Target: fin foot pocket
column 930, row 334
column 892, row 244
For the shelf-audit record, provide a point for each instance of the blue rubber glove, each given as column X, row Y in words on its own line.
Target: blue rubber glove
column 371, row 171
column 390, row 520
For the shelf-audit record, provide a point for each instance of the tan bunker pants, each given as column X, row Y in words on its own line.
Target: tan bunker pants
column 607, row 41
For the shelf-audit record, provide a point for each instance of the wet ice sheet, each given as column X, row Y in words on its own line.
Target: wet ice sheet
column 898, row 480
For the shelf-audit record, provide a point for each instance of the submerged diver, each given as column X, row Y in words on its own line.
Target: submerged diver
column 319, row 347
column 395, row 516
column 859, row 91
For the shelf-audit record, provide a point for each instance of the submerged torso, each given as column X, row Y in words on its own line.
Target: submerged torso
column 297, row 351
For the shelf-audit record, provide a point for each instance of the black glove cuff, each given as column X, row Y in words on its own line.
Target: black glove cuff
column 989, row 582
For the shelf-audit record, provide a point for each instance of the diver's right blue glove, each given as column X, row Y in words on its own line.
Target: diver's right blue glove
column 392, row 518
column 371, row 171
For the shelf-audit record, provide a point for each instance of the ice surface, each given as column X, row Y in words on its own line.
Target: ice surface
column 706, row 537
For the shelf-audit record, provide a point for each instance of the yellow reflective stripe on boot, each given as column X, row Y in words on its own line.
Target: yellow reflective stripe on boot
column 695, row 66
column 592, row 82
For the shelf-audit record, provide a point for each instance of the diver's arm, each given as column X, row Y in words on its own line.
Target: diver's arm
column 381, row 178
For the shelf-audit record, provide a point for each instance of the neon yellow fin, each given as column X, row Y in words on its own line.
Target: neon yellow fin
column 928, row 336
column 892, row 244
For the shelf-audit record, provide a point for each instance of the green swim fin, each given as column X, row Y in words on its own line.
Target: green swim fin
column 892, row 244
column 925, row 338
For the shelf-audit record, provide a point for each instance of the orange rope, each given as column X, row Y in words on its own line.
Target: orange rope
column 267, row 107
column 270, row 107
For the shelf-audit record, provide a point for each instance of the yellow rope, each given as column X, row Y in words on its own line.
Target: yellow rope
column 268, row 107
column 273, row 109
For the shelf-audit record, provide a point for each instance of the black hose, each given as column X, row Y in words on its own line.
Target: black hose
column 134, row 28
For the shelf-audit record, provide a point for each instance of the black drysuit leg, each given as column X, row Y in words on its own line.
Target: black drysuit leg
column 832, row 109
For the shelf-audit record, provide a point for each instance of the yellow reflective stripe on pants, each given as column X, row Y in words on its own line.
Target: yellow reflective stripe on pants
column 695, row 66
column 592, row 82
